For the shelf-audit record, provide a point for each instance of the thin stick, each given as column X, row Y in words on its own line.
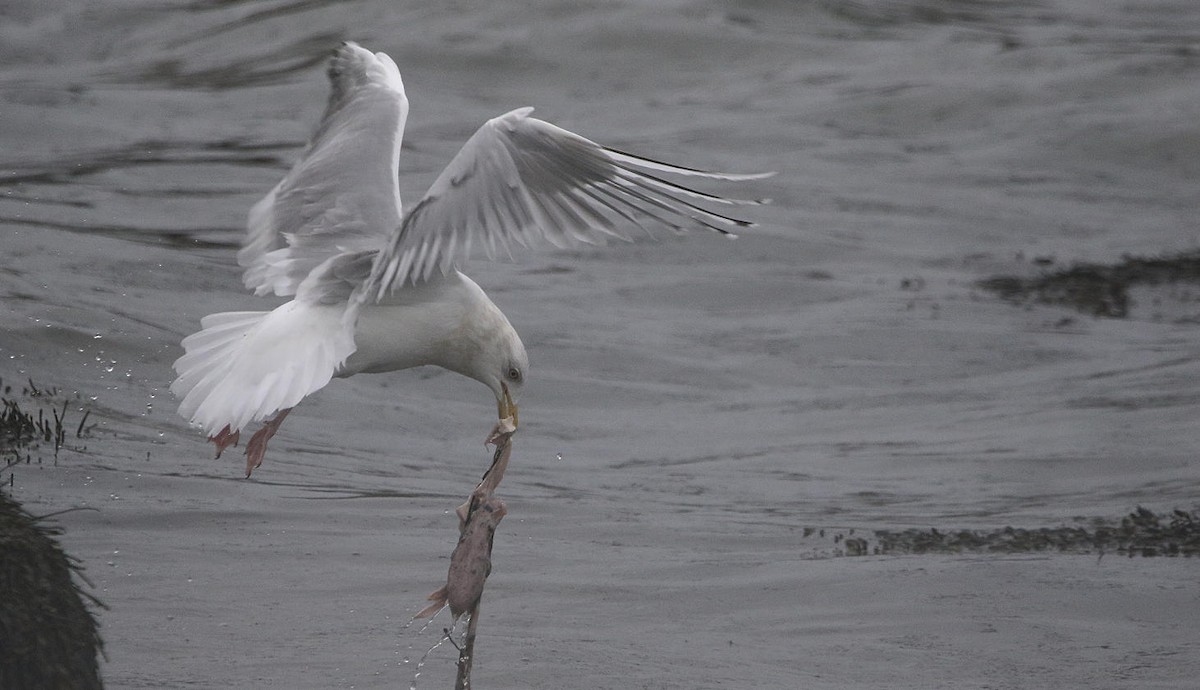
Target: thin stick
column 466, row 653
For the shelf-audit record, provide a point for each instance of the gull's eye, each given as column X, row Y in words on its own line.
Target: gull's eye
column 514, row 374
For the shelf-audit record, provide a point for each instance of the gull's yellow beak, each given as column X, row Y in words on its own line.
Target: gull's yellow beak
column 506, row 407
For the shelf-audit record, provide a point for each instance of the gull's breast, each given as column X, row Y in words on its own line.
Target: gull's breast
column 430, row 323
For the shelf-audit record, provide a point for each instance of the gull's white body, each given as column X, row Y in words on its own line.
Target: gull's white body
column 376, row 288
column 252, row 364
column 441, row 321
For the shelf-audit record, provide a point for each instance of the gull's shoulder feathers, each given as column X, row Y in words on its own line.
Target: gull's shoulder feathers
column 342, row 196
column 518, row 180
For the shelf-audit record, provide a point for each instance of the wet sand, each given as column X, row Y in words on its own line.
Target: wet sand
column 836, row 368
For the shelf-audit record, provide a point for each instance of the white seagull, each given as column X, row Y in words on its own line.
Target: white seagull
column 375, row 288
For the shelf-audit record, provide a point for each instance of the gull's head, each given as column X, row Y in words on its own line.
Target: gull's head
column 485, row 346
column 504, row 366
column 494, row 355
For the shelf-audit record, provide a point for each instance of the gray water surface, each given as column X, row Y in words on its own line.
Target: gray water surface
column 835, row 368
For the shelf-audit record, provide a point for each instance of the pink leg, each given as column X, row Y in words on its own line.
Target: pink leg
column 257, row 447
column 224, row 439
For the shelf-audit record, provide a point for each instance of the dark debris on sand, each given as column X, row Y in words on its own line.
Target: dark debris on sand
column 1141, row 533
column 1097, row 289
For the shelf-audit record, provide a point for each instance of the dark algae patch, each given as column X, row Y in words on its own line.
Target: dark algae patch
column 1097, row 289
column 1141, row 533
column 48, row 635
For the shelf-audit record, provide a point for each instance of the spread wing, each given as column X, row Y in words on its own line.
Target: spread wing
column 342, row 197
column 519, row 180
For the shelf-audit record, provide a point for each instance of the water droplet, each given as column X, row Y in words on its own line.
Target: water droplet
column 97, row 336
column 558, row 456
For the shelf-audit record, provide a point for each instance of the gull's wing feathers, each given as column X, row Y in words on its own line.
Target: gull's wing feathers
column 519, row 179
column 343, row 194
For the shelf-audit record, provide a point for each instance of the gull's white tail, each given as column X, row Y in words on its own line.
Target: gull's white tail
column 245, row 366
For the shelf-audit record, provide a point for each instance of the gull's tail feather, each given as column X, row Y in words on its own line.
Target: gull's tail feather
column 245, row 366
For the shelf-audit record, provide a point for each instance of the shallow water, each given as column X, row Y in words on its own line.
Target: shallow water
column 835, row 368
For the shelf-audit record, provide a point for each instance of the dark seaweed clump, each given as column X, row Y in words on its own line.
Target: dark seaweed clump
column 42, row 420
column 1097, row 289
column 1141, row 533
column 49, row 638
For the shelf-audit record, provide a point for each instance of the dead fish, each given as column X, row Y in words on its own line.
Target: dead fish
column 502, row 432
column 471, row 562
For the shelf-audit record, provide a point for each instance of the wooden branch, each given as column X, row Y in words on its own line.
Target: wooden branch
column 466, row 653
